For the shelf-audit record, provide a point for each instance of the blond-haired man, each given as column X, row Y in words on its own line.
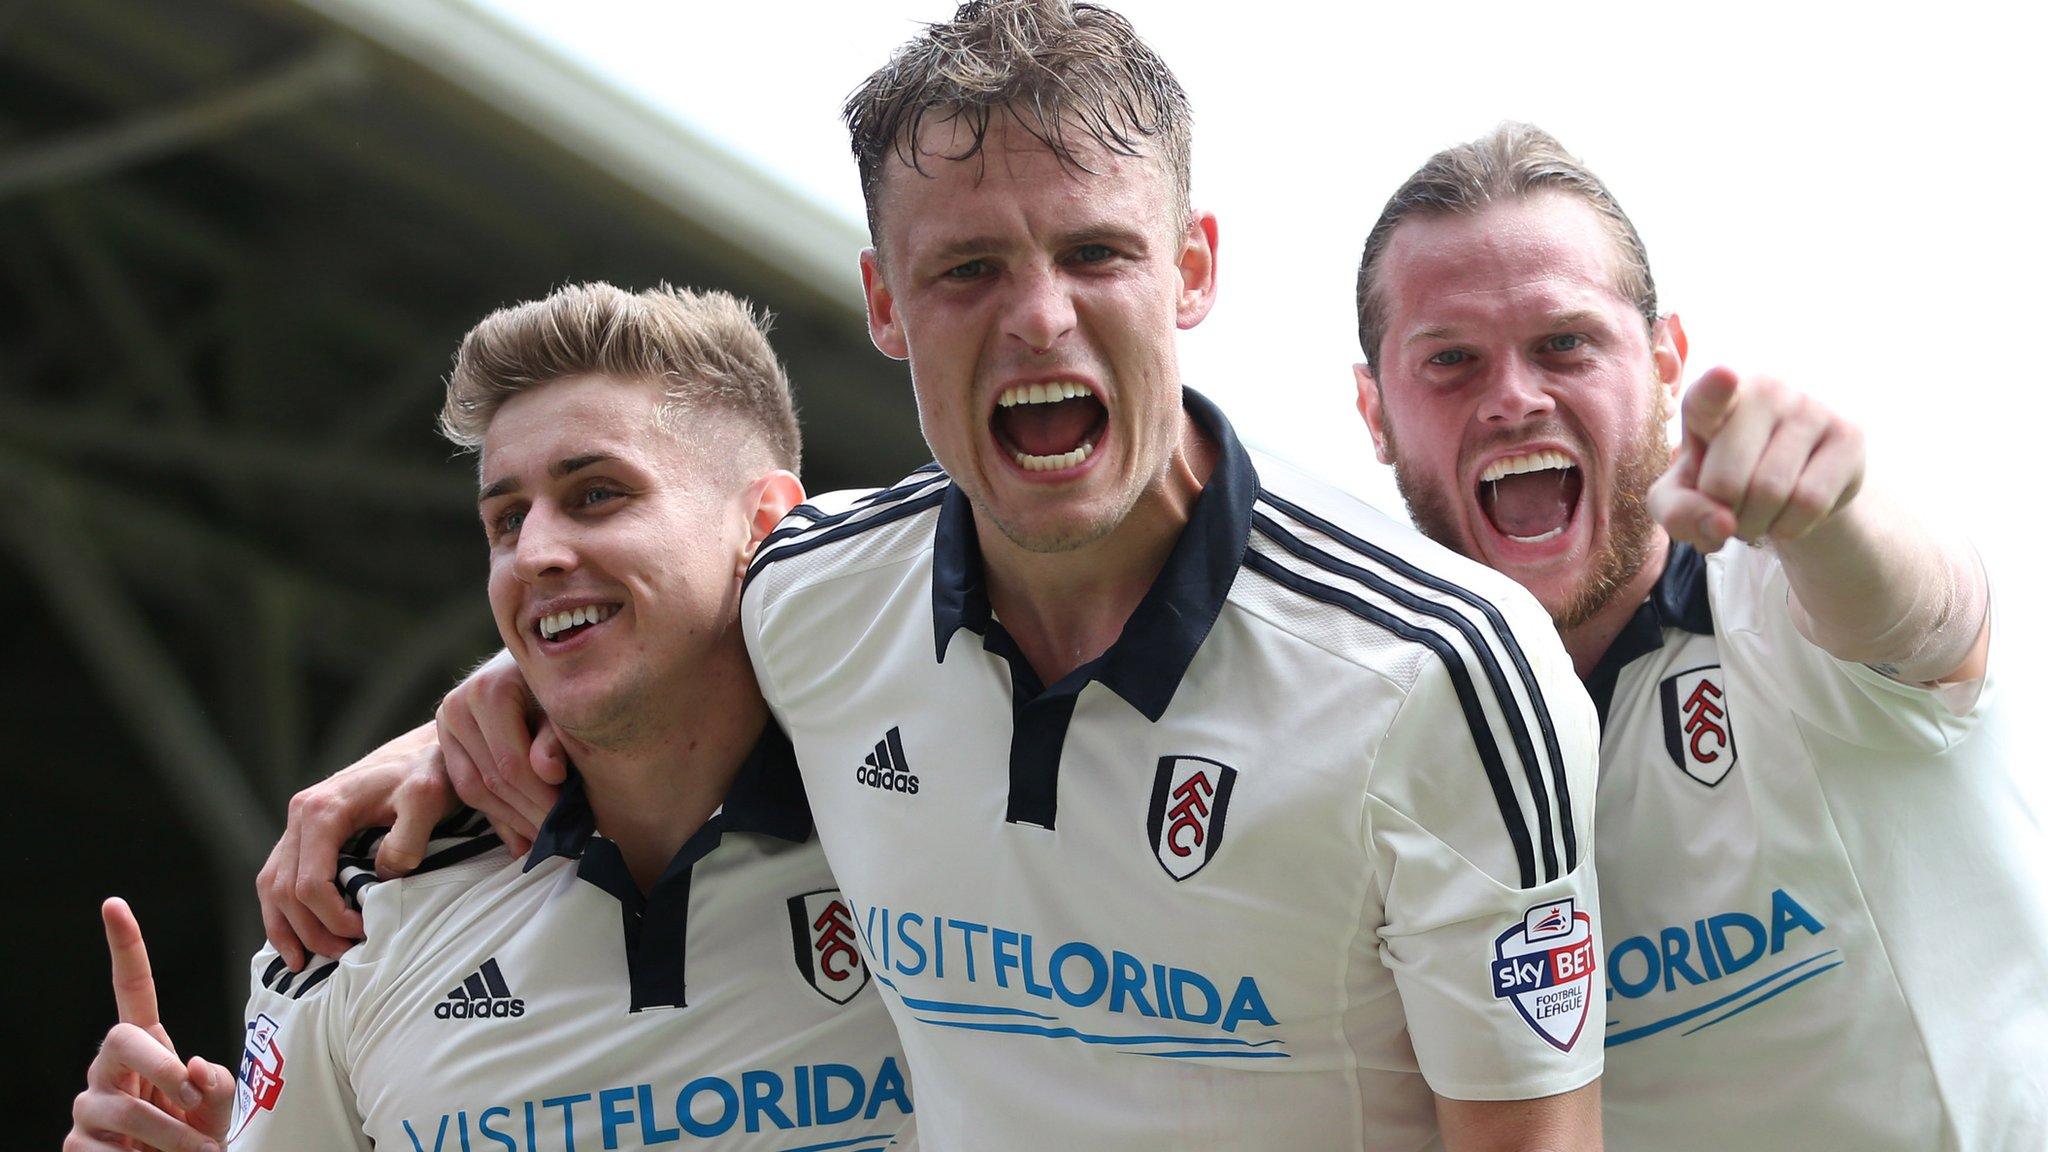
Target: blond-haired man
column 671, row 960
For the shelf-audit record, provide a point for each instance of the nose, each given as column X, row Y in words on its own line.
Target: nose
column 545, row 545
column 1039, row 310
column 1515, row 394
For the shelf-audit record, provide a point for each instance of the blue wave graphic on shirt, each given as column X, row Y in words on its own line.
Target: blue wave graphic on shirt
column 1237, row 1048
column 1759, row 985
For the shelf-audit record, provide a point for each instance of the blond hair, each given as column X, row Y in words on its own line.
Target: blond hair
column 708, row 351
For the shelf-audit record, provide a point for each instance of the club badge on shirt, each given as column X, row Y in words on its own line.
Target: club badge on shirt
column 1189, row 797
column 827, row 954
column 1697, row 733
column 1544, row 965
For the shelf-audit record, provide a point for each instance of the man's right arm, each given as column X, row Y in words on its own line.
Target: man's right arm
column 1479, row 817
column 479, row 748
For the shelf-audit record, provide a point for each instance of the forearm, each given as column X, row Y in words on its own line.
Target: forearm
column 1873, row 585
column 1565, row 1123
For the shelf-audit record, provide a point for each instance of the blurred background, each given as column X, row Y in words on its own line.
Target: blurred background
column 239, row 240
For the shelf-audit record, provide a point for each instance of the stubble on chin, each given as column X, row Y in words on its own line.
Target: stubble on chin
column 1630, row 528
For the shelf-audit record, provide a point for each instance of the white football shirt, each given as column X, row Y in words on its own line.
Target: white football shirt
column 1823, row 894
column 545, row 1006
column 1311, row 839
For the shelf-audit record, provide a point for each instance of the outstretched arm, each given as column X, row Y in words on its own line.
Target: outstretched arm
column 1762, row 462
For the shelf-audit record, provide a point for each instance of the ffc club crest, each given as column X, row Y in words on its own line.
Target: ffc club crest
column 827, row 954
column 1189, row 798
column 1545, row 966
column 262, row 1075
column 1696, row 728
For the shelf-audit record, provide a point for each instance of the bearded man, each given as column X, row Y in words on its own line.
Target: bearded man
column 1824, row 924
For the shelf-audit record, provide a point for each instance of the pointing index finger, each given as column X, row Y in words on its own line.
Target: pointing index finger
column 134, row 986
column 1708, row 403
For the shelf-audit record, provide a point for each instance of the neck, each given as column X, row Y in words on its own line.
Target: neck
column 1065, row 609
column 1589, row 640
column 651, row 791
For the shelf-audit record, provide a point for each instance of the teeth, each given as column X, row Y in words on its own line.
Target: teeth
column 556, row 623
column 1516, row 465
column 1535, row 539
column 1040, row 393
column 1032, row 463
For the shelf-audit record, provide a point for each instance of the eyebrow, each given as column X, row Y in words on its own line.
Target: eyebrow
column 1572, row 319
column 560, row 468
column 1104, row 232
column 1556, row 323
column 966, row 246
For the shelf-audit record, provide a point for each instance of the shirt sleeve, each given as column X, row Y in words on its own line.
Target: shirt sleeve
column 293, row 1090
column 1479, row 820
column 1852, row 702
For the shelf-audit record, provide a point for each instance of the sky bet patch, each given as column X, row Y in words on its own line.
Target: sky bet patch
column 1545, row 966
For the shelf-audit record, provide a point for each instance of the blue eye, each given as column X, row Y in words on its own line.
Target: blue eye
column 1450, row 357
column 1565, row 342
column 1093, row 253
column 968, row 271
column 508, row 521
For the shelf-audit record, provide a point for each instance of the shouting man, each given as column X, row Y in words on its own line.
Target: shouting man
column 1824, row 922
column 1180, row 801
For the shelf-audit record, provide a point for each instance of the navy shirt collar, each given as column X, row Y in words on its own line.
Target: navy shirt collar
column 767, row 797
column 1159, row 642
column 1679, row 600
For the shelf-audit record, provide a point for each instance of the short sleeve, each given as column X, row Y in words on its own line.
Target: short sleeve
column 292, row 1089
column 1480, row 822
column 1852, row 702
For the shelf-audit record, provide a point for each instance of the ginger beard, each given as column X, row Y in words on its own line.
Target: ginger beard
column 1630, row 528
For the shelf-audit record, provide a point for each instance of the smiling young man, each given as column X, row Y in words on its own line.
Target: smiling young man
column 1181, row 801
column 1825, row 926
column 672, row 960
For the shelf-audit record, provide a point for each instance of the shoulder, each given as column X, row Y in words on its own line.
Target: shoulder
column 1471, row 651
column 1342, row 574
column 849, row 530
column 462, row 854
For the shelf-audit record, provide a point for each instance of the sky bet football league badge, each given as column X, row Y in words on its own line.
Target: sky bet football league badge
column 1545, row 966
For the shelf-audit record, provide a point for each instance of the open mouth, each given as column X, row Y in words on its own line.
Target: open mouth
column 1530, row 498
column 1048, row 427
column 558, row 627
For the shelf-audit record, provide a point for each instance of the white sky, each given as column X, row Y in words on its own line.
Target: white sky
column 1851, row 202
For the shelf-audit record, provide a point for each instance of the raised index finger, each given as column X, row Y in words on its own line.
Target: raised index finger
column 134, row 985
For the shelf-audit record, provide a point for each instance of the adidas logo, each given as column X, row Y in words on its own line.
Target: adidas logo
column 482, row 996
column 887, row 767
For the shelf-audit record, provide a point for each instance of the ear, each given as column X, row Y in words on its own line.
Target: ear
column 1667, row 351
column 766, row 502
column 1197, row 270
column 885, row 326
column 1369, row 406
